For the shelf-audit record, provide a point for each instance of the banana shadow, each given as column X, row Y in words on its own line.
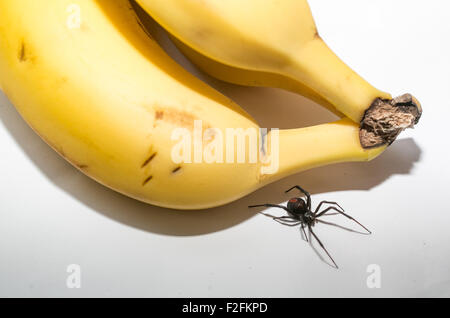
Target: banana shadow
column 398, row 159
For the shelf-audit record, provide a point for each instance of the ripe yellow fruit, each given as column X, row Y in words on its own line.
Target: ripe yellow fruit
column 91, row 82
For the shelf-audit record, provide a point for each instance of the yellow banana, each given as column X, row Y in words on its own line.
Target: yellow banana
column 265, row 43
column 97, row 88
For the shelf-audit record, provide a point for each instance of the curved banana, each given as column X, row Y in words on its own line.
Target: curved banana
column 266, row 43
column 89, row 80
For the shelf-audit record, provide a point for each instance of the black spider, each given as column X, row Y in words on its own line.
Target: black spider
column 300, row 213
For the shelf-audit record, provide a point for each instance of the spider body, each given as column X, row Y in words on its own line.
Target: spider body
column 299, row 212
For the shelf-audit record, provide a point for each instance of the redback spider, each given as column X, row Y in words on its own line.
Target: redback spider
column 300, row 213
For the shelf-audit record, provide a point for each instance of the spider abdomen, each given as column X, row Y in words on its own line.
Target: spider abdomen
column 297, row 206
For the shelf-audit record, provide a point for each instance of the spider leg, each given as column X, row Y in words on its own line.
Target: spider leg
column 327, row 202
column 326, row 210
column 304, row 232
column 285, row 220
column 269, row 215
column 288, row 219
column 346, row 215
column 308, row 196
column 321, row 245
column 288, row 224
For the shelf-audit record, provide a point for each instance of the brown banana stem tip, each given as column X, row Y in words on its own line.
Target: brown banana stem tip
column 386, row 119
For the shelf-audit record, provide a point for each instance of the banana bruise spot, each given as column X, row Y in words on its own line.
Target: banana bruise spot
column 22, row 55
column 147, row 180
column 149, row 159
column 317, row 35
column 386, row 119
column 159, row 114
column 176, row 169
column 175, row 117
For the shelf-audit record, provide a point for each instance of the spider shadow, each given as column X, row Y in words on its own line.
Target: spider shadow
column 316, row 250
column 343, row 227
column 319, row 255
column 308, row 238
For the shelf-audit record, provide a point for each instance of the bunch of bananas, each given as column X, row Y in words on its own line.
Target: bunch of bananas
column 92, row 82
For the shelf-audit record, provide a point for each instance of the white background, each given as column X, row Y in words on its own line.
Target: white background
column 52, row 216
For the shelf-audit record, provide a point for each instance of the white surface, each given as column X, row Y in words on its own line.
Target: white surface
column 52, row 216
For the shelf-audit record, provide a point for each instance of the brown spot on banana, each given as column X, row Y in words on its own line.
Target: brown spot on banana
column 317, row 35
column 22, row 55
column 177, row 169
column 159, row 115
column 149, row 159
column 147, row 180
column 175, row 117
